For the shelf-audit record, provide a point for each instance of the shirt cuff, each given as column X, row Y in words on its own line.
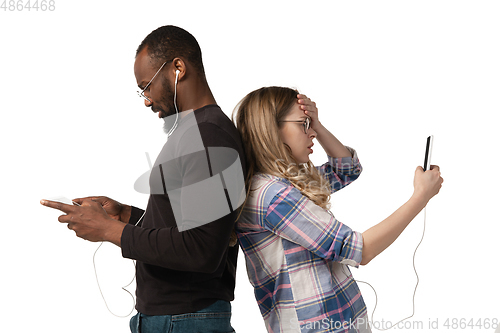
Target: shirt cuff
column 135, row 215
column 353, row 249
column 346, row 165
column 126, row 239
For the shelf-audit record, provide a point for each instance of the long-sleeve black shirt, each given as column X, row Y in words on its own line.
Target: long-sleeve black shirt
column 184, row 263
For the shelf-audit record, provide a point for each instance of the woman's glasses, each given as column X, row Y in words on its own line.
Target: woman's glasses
column 306, row 123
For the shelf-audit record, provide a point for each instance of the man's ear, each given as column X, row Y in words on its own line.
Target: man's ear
column 179, row 65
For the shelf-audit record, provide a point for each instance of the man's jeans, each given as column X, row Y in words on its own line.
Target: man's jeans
column 215, row 318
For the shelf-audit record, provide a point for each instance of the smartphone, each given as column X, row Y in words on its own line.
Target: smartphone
column 428, row 153
column 63, row 200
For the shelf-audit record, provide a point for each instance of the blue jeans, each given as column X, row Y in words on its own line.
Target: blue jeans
column 215, row 318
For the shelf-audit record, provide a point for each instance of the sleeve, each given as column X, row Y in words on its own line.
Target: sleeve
column 135, row 215
column 294, row 217
column 340, row 172
column 197, row 249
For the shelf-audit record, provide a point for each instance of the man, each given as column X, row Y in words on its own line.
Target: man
column 185, row 266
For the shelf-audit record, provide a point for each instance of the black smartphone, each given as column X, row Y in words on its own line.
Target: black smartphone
column 428, row 153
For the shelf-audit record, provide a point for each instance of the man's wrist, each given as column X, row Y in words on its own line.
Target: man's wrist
column 113, row 233
column 125, row 213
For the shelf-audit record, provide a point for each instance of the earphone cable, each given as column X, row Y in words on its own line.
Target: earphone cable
column 175, row 105
column 123, row 288
column 416, row 285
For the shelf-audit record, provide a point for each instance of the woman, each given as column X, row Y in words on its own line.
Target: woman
column 295, row 249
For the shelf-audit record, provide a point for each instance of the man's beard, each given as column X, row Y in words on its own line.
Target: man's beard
column 169, row 122
column 169, row 111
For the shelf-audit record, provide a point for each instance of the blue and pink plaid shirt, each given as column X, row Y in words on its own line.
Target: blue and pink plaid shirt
column 296, row 253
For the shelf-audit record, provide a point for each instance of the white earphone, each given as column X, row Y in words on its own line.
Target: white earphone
column 175, row 104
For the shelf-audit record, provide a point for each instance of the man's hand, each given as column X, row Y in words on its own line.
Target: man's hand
column 114, row 209
column 89, row 221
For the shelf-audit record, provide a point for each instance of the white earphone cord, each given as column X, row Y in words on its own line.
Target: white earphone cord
column 150, row 166
column 123, row 288
column 416, row 285
column 175, row 105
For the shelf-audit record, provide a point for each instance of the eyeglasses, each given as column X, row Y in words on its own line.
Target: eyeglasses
column 141, row 93
column 306, row 123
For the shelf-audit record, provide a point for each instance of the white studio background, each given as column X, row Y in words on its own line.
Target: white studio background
column 384, row 74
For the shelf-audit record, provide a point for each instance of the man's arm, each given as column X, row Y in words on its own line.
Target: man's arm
column 201, row 247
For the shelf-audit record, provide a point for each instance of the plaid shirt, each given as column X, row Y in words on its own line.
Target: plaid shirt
column 296, row 254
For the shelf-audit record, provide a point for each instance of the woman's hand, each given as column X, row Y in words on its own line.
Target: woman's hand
column 376, row 239
column 427, row 184
column 310, row 109
column 332, row 146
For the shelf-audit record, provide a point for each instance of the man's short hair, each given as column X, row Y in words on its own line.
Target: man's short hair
column 168, row 42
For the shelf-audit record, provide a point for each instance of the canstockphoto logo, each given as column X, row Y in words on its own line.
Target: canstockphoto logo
column 203, row 184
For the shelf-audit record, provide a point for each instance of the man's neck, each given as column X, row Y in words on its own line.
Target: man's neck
column 182, row 114
column 196, row 95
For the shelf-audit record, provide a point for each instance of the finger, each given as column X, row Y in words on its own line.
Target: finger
column 303, row 99
column 71, row 226
column 306, row 101
column 94, row 206
column 305, row 109
column 304, row 104
column 435, row 167
column 96, row 198
column 65, row 218
column 419, row 169
column 90, row 202
column 78, row 200
column 309, row 107
column 57, row 205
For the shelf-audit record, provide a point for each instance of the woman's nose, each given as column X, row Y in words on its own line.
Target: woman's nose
column 312, row 133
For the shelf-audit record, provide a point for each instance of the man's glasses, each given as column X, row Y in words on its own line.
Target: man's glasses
column 141, row 93
column 306, row 123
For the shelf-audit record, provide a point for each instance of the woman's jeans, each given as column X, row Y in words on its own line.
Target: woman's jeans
column 215, row 318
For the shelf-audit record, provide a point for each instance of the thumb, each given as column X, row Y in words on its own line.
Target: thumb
column 90, row 201
column 81, row 200
column 77, row 201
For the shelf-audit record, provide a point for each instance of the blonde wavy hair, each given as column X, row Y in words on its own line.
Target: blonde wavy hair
column 257, row 118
